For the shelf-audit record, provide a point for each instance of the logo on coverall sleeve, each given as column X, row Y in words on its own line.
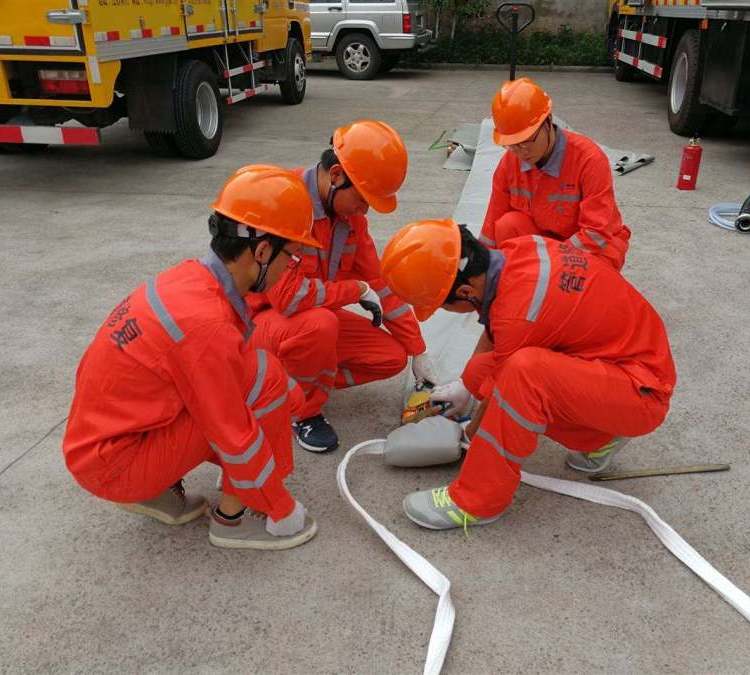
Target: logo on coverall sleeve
column 573, row 278
column 129, row 331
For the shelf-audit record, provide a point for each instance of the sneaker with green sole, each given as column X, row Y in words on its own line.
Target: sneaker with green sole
column 171, row 507
column 596, row 462
column 435, row 510
column 250, row 532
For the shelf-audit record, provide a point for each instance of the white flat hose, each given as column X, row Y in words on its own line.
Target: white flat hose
column 442, row 629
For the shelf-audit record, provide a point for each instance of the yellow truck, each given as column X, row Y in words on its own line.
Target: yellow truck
column 701, row 48
column 68, row 68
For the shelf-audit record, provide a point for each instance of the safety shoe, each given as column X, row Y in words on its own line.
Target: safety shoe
column 316, row 434
column 250, row 532
column 596, row 462
column 172, row 507
column 435, row 510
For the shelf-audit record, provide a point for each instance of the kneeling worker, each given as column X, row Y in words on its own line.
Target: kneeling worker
column 550, row 181
column 571, row 350
column 302, row 319
column 170, row 380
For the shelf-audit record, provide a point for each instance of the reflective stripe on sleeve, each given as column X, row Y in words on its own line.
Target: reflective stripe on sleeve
column 348, row 377
column 165, row 318
column 259, row 481
column 563, row 198
column 542, row 282
column 395, row 313
column 516, row 416
column 261, row 412
column 597, row 238
column 320, row 293
column 302, row 291
column 384, row 292
column 487, row 241
column 260, row 377
column 246, row 456
column 520, row 192
column 291, row 384
column 481, row 433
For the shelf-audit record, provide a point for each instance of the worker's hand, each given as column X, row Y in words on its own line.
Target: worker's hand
column 290, row 525
column 424, row 369
column 455, row 394
column 371, row 302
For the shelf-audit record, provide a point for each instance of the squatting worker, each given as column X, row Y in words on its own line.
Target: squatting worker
column 170, row 380
column 571, row 350
column 550, row 181
column 301, row 319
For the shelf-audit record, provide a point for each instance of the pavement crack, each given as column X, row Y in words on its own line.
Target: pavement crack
column 28, row 450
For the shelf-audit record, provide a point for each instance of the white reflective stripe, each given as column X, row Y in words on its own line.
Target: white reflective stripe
column 576, row 241
column 259, row 481
column 542, row 281
column 435, row 580
column 521, row 192
column 348, row 377
column 516, row 416
column 302, row 291
column 328, row 373
column 157, row 306
column 487, row 241
column 384, row 292
column 481, row 433
column 260, row 376
column 320, row 293
column 597, row 238
column 261, row 412
column 395, row 313
column 291, row 384
column 246, row 456
column 306, row 378
column 563, row 198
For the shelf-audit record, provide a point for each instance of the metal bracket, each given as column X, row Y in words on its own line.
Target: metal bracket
column 70, row 17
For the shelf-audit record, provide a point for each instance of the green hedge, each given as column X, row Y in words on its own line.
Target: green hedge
column 492, row 45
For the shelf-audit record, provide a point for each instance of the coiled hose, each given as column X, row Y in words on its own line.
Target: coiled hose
column 731, row 216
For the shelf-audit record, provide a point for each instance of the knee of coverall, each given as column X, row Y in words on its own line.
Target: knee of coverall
column 514, row 224
column 479, row 369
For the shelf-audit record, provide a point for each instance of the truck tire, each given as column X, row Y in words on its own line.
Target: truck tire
column 294, row 85
column 162, row 144
column 624, row 72
column 358, row 57
column 389, row 61
column 686, row 114
column 198, row 108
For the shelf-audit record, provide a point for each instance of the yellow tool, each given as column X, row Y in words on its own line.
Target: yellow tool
column 419, row 406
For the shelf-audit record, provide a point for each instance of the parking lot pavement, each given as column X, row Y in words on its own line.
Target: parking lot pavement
column 556, row 585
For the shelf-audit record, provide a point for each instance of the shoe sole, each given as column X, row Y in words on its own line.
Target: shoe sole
column 483, row 521
column 281, row 545
column 313, row 448
column 162, row 517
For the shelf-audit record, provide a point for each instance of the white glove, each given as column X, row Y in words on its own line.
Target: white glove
column 455, row 394
column 370, row 300
column 290, row 525
column 423, row 369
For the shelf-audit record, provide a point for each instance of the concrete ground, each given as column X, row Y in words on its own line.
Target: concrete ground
column 555, row 586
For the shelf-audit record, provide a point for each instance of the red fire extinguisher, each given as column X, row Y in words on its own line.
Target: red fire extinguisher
column 690, row 164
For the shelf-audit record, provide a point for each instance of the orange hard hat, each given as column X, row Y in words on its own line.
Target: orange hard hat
column 519, row 109
column 270, row 199
column 420, row 263
column 374, row 157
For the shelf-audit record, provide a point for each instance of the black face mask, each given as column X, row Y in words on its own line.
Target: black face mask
column 277, row 245
column 332, row 194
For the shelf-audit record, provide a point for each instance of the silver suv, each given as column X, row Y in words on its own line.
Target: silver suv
column 367, row 36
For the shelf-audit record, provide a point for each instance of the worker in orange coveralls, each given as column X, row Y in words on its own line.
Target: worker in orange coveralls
column 551, row 181
column 302, row 319
column 171, row 381
column 571, row 350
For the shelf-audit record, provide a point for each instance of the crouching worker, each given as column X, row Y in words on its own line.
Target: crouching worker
column 170, row 380
column 571, row 350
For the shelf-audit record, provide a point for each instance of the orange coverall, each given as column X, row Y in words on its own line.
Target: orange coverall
column 570, row 198
column 170, row 381
column 579, row 356
column 301, row 319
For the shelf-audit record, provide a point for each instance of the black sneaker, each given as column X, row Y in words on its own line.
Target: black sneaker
column 316, row 434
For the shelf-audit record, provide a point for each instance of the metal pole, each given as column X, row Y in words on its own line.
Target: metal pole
column 513, row 36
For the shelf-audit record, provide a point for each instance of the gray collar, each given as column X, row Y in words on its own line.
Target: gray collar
column 310, row 178
column 494, row 270
column 553, row 165
column 217, row 267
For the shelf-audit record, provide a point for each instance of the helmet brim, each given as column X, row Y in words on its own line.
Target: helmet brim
column 380, row 204
column 518, row 137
